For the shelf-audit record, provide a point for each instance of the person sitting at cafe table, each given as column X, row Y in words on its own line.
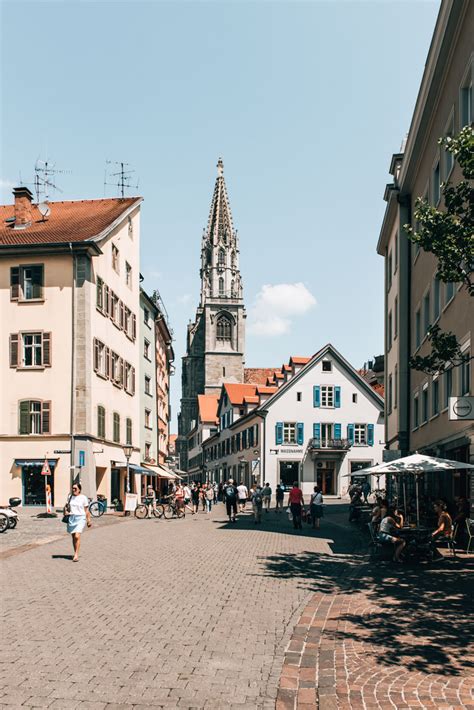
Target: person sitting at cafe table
column 388, row 533
column 398, row 516
column 445, row 524
column 379, row 510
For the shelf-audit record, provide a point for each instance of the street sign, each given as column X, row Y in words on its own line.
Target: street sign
column 46, row 471
column 62, row 451
column 461, row 408
column 82, row 458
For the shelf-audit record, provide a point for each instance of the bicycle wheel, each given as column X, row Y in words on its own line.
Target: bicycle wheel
column 141, row 511
column 180, row 512
column 3, row 522
column 94, row 509
column 159, row 511
column 169, row 511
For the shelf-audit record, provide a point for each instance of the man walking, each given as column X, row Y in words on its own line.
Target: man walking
column 257, row 504
column 230, row 497
column 279, row 495
column 242, row 494
column 267, row 497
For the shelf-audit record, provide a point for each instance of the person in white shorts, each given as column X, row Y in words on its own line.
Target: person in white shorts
column 242, row 495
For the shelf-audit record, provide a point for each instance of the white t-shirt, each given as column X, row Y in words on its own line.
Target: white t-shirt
column 242, row 492
column 77, row 504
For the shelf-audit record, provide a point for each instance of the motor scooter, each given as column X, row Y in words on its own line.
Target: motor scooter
column 11, row 514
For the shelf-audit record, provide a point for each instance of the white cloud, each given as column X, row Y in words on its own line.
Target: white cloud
column 6, row 184
column 185, row 298
column 276, row 306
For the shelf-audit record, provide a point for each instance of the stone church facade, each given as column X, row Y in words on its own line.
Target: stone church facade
column 215, row 345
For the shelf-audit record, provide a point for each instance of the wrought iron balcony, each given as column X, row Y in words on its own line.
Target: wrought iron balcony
column 329, row 444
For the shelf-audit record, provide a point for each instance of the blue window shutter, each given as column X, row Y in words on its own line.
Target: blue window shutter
column 337, row 431
column 337, row 397
column 317, row 431
column 317, row 396
column 370, row 434
column 279, row 433
column 350, row 433
column 300, row 433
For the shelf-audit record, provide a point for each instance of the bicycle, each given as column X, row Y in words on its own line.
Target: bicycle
column 97, row 507
column 172, row 510
column 147, row 509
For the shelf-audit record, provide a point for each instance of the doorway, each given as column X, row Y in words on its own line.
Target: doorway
column 325, row 477
column 289, row 472
column 33, row 484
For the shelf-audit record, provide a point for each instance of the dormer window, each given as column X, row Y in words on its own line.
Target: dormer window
column 327, row 366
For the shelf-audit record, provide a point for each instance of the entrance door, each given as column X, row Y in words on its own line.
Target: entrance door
column 115, row 484
column 289, row 472
column 33, row 485
column 326, row 478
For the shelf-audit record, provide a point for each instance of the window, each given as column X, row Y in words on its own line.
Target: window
column 354, row 398
column 147, row 451
column 448, row 386
column 32, row 350
column 389, row 330
column 389, row 271
column 146, row 316
column 128, row 432
column 395, row 388
column 395, row 318
column 327, row 366
column 26, row 283
column 289, row 433
column 327, row 434
column 448, row 158
column 360, row 434
column 116, row 369
column 101, row 358
column 465, row 378
column 418, row 328
column 116, row 420
column 101, row 422
column 390, row 394
column 147, row 385
column 224, row 328
column 465, row 108
column 449, row 289
column 436, row 298
column 115, row 259
column 435, row 185
column 395, row 252
column 424, row 405
column 416, row 412
column 148, row 418
column 221, row 259
column 114, row 308
column 146, row 349
column 426, row 313
column 298, row 396
column 34, row 417
column 128, row 274
column 327, row 396
column 221, row 287
column 100, row 294
column 435, row 398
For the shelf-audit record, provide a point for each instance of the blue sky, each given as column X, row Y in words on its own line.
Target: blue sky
column 305, row 102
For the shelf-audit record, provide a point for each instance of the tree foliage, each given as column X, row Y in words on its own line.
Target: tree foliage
column 449, row 235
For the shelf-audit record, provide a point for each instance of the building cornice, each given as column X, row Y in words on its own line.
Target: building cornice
column 55, row 248
column 390, row 215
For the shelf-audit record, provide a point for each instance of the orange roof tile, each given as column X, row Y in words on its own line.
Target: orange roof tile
column 299, row 360
column 237, row 392
column 257, row 375
column 73, row 221
column 251, row 400
column 266, row 390
column 207, row 404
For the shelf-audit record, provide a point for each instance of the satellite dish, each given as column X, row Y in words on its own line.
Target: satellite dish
column 44, row 209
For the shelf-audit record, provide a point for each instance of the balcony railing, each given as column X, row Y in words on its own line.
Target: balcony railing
column 331, row 444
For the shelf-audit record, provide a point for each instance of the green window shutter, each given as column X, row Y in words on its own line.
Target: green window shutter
column 350, row 433
column 337, row 397
column 24, row 417
column 14, row 283
column 337, row 431
column 316, row 396
column 279, row 433
column 46, row 350
column 370, row 434
column 37, row 279
column 14, row 344
column 300, row 433
column 46, row 417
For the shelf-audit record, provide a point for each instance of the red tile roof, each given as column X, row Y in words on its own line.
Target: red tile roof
column 266, row 390
column 73, row 221
column 207, row 404
column 299, row 360
column 237, row 392
column 257, row 375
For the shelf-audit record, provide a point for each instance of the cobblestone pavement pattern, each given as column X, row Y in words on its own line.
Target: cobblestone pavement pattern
column 173, row 614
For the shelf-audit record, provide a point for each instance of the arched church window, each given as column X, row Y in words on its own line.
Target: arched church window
column 221, row 287
column 224, row 328
column 221, row 258
column 233, row 260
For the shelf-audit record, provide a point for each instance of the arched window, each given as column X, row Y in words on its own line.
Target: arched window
column 221, row 258
column 221, row 287
column 224, row 328
column 233, row 260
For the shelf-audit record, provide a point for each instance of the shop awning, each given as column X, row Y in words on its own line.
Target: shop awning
column 133, row 467
column 160, row 471
column 34, row 462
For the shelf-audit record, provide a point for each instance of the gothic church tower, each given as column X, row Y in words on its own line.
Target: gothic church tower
column 216, row 340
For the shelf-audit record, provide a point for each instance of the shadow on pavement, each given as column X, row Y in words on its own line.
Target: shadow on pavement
column 61, row 557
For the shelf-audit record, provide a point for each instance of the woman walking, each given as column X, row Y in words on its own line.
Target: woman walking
column 77, row 510
column 316, row 507
column 209, row 493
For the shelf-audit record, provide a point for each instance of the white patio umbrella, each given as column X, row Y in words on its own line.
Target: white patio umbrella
column 417, row 464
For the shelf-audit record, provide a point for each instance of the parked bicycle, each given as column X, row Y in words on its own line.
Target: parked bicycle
column 148, row 510
column 98, row 507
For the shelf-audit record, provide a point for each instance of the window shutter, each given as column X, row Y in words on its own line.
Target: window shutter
column 106, row 309
column 300, row 433
column 134, row 327
column 122, row 314
column 24, row 427
column 14, row 283
column 337, row 397
column 316, row 396
column 37, row 276
column 107, row 363
column 256, row 434
column 350, row 433
column 47, row 349
column 121, row 372
column 13, row 349
column 317, row 431
column 133, row 381
column 337, row 431
column 279, row 433
column 370, row 434
column 96, row 355
column 46, row 417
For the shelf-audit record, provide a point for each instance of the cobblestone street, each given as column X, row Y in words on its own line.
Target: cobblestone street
column 201, row 614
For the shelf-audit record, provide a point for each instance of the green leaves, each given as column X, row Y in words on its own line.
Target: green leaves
column 445, row 353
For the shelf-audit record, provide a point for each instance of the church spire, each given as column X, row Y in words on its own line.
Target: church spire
column 220, row 275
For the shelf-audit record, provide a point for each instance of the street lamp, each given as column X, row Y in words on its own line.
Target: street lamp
column 128, row 451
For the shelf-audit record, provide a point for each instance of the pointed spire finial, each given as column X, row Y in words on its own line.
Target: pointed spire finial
column 220, row 167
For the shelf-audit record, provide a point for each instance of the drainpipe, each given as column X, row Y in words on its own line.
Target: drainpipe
column 73, row 347
column 263, row 413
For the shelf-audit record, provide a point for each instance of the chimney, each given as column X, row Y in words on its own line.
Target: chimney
column 23, row 211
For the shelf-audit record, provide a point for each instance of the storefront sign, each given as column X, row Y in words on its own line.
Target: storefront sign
column 290, row 451
column 46, row 471
column 461, row 408
column 131, row 500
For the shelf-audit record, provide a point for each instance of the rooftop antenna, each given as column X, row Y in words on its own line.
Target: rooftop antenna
column 44, row 179
column 123, row 175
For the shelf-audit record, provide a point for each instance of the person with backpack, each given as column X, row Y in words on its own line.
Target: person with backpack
column 316, row 507
column 267, row 497
column 279, row 495
column 257, row 505
column 230, row 497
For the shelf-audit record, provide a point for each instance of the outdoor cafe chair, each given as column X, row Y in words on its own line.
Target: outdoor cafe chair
column 470, row 533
